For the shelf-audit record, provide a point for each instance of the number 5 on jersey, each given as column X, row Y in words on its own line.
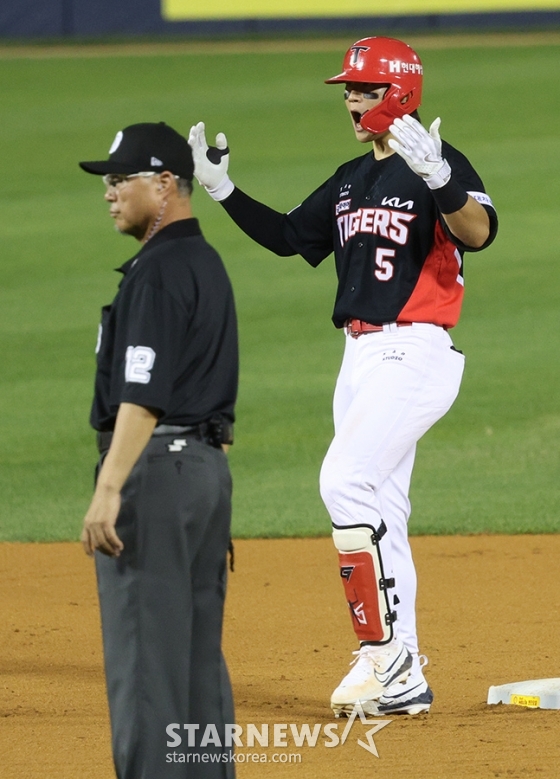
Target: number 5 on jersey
column 139, row 362
column 385, row 267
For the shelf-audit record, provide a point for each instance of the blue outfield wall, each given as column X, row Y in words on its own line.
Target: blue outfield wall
column 44, row 19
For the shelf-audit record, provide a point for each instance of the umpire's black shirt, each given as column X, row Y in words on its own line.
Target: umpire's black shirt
column 169, row 340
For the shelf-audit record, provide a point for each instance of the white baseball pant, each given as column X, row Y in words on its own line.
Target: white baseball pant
column 392, row 387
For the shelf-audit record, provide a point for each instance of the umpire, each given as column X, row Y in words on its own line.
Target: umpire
column 159, row 520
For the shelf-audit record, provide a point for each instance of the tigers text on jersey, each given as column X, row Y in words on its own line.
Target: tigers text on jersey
column 395, row 258
column 169, row 339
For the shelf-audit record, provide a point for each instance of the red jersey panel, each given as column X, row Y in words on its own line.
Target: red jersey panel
column 438, row 294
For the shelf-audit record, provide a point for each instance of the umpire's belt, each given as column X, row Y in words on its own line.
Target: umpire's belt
column 211, row 433
column 357, row 327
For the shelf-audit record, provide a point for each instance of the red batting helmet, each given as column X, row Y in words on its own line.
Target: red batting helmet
column 384, row 61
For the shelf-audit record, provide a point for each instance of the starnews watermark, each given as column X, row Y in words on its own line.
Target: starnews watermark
column 232, row 757
column 221, row 748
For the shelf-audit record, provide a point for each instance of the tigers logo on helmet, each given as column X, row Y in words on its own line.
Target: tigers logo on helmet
column 356, row 51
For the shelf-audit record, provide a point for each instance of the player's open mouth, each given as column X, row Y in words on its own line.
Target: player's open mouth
column 356, row 116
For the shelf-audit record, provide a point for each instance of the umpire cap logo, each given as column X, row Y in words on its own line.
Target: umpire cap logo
column 117, row 142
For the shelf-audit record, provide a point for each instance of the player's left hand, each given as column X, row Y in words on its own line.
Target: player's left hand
column 210, row 162
column 420, row 149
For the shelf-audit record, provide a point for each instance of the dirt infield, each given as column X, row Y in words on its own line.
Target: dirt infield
column 488, row 610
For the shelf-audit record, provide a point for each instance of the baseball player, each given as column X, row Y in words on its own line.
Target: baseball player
column 159, row 521
column 398, row 220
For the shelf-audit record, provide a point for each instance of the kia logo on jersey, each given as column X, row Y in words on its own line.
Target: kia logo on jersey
column 396, row 203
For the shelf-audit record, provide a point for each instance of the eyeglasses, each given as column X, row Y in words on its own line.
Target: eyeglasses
column 114, row 179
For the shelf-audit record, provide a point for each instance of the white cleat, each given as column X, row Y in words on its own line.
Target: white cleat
column 413, row 696
column 375, row 669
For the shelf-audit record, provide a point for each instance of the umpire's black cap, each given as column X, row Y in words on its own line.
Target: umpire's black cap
column 146, row 147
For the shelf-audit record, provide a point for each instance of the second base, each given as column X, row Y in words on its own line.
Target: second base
column 535, row 694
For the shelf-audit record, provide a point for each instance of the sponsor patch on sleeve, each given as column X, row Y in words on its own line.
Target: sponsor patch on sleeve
column 482, row 198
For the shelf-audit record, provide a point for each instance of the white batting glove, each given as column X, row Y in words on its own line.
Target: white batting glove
column 211, row 163
column 421, row 150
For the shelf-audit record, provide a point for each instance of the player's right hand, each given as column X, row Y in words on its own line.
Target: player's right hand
column 211, row 163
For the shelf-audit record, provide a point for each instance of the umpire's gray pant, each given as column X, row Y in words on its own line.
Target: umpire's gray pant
column 161, row 610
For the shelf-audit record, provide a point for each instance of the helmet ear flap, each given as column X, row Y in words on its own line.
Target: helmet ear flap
column 394, row 105
column 378, row 119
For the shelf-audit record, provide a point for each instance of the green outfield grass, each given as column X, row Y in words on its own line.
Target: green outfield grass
column 491, row 465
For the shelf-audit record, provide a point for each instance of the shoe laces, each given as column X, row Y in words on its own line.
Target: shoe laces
column 363, row 664
column 371, row 655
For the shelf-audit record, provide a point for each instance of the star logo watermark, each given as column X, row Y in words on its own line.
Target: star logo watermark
column 370, row 746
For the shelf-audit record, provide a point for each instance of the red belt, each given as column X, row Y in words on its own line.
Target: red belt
column 357, row 327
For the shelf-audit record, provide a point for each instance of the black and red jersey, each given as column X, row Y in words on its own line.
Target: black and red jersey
column 395, row 258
